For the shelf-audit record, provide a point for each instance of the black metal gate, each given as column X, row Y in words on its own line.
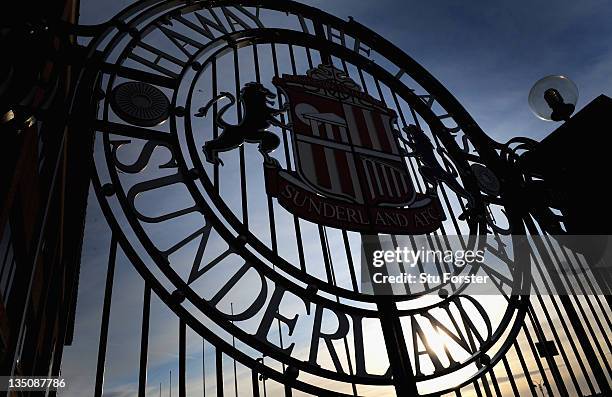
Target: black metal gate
column 275, row 302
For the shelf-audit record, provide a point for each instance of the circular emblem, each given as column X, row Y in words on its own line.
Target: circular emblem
column 301, row 137
column 487, row 181
column 140, row 104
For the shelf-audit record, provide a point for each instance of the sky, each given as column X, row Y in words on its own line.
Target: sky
column 487, row 54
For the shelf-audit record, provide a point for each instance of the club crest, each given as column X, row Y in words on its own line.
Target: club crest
column 349, row 167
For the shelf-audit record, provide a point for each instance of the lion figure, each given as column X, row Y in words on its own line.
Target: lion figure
column 258, row 116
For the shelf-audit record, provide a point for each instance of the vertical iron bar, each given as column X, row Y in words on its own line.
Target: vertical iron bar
column 309, row 58
column 349, row 259
column 320, row 33
column 495, row 384
column 296, row 220
column 271, row 218
column 404, row 380
column 401, row 368
column 219, row 369
column 519, row 354
column 263, row 378
column 108, row 292
column 334, row 283
column 349, row 361
column 203, row 367
column 144, row 342
column 234, row 360
column 278, row 93
column 255, row 383
column 243, row 177
column 485, row 385
column 476, row 386
column 213, row 72
column 292, row 59
column 510, row 376
column 326, row 259
column 182, row 357
column 400, row 264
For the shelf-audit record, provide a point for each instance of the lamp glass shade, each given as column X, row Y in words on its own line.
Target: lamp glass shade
column 562, row 89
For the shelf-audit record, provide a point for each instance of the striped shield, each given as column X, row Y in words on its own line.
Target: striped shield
column 344, row 143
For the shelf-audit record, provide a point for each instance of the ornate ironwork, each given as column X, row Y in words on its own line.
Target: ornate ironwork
column 140, row 104
column 258, row 117
column 197, row 53
column 487, row 181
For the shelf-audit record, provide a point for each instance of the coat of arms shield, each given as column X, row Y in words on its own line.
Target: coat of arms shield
column 350, row 168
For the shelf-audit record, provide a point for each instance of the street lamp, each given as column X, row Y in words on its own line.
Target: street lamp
column 553, row 98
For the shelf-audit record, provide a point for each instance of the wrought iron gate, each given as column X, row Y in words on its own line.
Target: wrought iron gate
column 278, row 297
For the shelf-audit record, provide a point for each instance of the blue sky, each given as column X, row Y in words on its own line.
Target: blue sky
column 487, row 53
